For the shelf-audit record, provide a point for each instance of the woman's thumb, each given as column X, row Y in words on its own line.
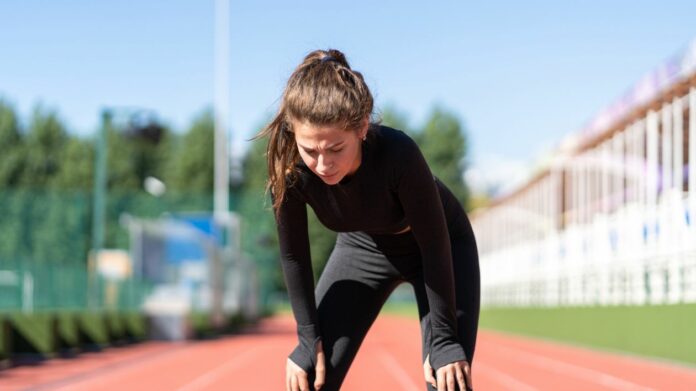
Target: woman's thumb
column 319, row 369
column 428, row 372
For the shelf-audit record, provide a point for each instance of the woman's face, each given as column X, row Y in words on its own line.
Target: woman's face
column 329, row 151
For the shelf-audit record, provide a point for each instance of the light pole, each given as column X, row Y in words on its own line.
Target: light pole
column 98, row 202
column 221, row 110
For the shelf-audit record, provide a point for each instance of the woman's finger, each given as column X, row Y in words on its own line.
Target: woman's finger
column 461, row 380
column 319, row 368
column 429, row 378
column 320, row 372
column 303, row 382
column 428, row 372
column 293, row 383
column 289, row 373
column 467, row 374
column 441, row 383
column 449, row 377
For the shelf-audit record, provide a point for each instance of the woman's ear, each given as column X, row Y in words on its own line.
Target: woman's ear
column 363, row 127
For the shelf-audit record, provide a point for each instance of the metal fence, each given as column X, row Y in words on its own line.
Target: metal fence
column 613, row 261
column 609, row 223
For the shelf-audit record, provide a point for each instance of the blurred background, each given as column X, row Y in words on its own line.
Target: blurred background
column 132, row 202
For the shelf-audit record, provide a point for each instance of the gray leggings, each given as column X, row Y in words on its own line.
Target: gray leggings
column 362, row 272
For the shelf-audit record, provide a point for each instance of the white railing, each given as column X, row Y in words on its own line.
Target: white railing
column 627, row 208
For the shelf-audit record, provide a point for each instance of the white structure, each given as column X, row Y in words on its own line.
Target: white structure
column 610, row 219
column 191, row 271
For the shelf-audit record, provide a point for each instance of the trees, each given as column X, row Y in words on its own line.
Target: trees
column 442, row 139
column 443, row 143
column 77, row 166
column 11, row 147
column 45, row 142
column 12, row 242
column 391, row 116
column 41, row 222
column 190, row 166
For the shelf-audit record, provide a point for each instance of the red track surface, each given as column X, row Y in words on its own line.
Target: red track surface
column 388, row 360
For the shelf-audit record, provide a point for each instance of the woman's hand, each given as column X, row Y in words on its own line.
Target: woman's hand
column 296, row 378
column 457, row 372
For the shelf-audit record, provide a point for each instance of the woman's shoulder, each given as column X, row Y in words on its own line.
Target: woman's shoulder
column 393, row 147
column 391, row 141
column 392, row 153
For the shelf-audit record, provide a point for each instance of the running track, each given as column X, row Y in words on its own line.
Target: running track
column 388, row 360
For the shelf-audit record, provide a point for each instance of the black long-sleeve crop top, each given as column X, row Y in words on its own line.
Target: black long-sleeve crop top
column 392, row 189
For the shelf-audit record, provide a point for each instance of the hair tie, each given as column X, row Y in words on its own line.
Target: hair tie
column 328, row 58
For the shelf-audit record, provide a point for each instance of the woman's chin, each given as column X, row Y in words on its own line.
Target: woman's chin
column 331, row 179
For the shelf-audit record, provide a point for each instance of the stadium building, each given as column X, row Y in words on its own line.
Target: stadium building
column 609, row 218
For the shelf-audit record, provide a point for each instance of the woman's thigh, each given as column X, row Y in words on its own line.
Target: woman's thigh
column 350, row 293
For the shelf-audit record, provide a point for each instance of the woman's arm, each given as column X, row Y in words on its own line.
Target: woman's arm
column 291, row 221
column 423, row 209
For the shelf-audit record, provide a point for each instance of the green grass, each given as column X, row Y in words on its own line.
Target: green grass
column 282, row 308
column 400, row 308
column 391, row 308
column 665, row 331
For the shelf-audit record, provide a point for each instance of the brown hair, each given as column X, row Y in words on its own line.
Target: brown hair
column 323, row 90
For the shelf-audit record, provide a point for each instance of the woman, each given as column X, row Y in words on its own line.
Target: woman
column 395, row 222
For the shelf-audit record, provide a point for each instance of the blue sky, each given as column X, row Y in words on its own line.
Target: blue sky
column 520, row 74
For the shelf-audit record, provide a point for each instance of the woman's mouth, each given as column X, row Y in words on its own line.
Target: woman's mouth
column 327, row 177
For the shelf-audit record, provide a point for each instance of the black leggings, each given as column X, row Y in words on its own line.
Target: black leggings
column 362, row 272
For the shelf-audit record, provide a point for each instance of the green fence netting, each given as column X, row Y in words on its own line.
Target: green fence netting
column 46, row 235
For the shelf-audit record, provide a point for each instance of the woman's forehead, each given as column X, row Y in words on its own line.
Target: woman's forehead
column 322, row 135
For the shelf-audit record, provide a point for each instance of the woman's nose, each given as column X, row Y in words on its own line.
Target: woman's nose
column 323, row 164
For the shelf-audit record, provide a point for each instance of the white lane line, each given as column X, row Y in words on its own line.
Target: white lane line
column 502, row 378
column 572, row 370
column 212, row 375
column 398, row 372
